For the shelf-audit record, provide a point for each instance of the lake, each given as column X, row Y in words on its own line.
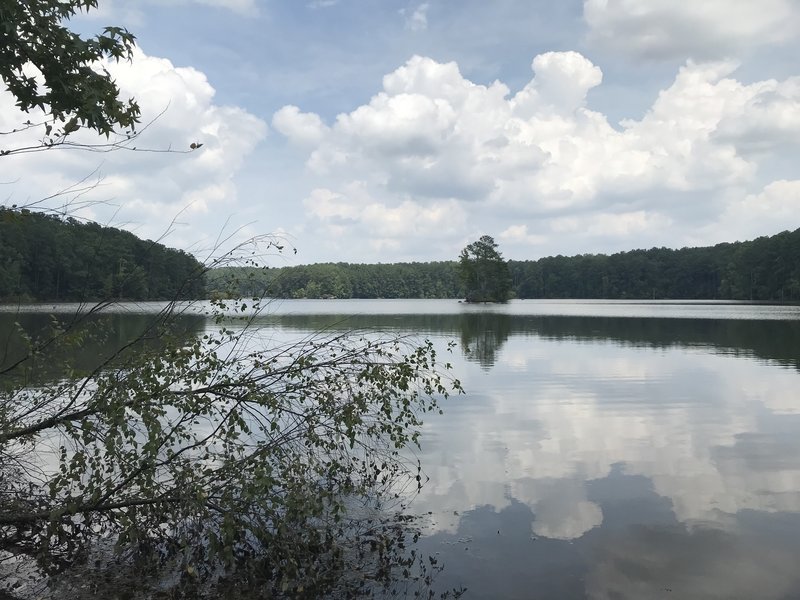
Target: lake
column 603, row 450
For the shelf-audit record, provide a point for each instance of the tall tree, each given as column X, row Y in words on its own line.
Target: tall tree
column 484, row 272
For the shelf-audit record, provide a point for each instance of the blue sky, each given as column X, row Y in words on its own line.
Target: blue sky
column 368, row 131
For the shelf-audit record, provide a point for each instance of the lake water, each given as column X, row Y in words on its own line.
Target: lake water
column 604, row 450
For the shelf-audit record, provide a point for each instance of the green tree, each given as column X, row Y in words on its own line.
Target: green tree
column 72, row 91
column 485, row 274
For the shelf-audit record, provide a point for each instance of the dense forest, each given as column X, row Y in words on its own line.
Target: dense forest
column 765, row 269
column 46, row 257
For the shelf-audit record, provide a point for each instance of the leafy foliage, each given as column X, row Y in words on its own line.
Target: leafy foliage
column 484, row 272
column 224, row 460
column 47, row 66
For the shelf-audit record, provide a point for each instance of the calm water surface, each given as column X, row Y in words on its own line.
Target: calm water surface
column 604, row 450
column 608, row 450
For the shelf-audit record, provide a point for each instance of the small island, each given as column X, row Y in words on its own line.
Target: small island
column 485, row 273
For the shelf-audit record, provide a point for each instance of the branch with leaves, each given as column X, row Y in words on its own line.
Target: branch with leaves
column 47, row 66
column 60, row 74
column 223, row 452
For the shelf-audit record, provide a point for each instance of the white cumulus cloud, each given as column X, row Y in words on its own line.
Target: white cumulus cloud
column 542, row 155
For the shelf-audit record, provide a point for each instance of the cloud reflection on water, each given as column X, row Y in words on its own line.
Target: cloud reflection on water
column 715, row 435
column 689, row 421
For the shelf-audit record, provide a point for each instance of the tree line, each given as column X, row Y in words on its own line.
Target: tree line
column 339, row 280
column 764, row 269
column 47, row 257
column 767, row 268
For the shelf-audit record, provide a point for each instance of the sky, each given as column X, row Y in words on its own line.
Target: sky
column 384, row 131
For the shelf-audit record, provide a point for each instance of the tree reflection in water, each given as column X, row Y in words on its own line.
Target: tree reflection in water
column 482, row 336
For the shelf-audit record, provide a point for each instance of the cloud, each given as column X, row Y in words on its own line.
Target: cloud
column 575, row 414
column 518, row 234
column 767, row 117
column 560, row 505
column 544, row 158
column 773, row 209
column 562, row 81
column 301, row 128
column 417, row 19
column 622, row 224
column 358, row 216
column 662, row 29
column 145, row 189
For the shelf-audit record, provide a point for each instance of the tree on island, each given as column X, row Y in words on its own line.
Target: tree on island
column 226, row 464
column 484, row 272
